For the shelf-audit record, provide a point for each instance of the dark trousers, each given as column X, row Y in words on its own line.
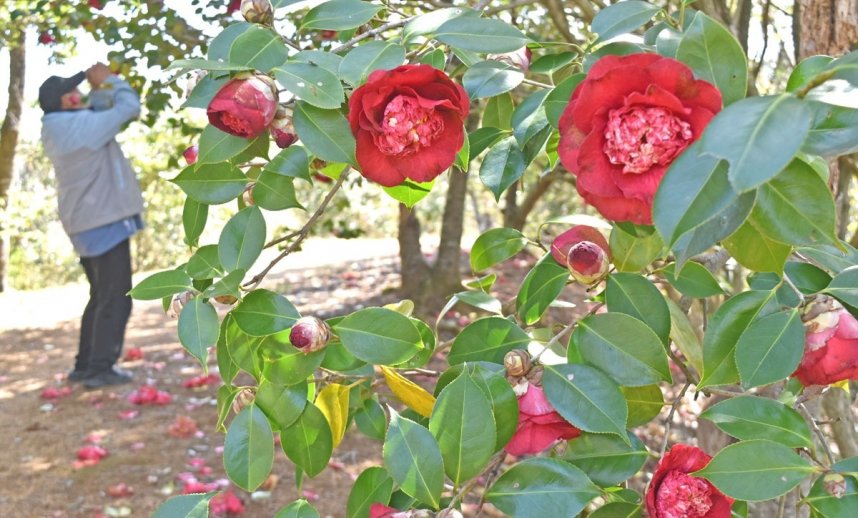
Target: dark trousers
column 102, row 329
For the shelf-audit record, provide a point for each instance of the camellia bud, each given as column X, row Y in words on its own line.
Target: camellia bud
column 190, row 154
column 282, row 129
column 242, row 399
column 310, row 334
column 228, row 300
column 835, row 485
column 519, row 58
column 179, row 302
column 247, row 196
column 258, row 11
column 587, row 262
column 517, row 362
column 244, row 106
column 234, row 5
column 46, row 38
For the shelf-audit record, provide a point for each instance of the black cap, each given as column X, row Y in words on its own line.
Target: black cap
column 52, row 90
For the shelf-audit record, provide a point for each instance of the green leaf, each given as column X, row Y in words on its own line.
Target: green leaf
column 186, row 65
column 185, row 506
column 248, row 451
column 558, row 99
column 194, row 215
column 755, row 470
column 694, row 280
column 308, row 442
column 326, row 133
column 826, row 505
column 622, row 346
column 632, row 254
column 409, row 192
column 834, row 131
column 725, row 328
column 543, row 283
column 487, row 339
column 502, row 166
column 429, row 22
column 753, row 250
column 292, row 161
column 379, row 336
column 714, row 55
column 502, row 398
column 273, row 191
column 684, row 337
column 198, row 328
column 328, row 61
column 482, row 138
column 644, row 403
column 636, row 296
column 371, row 421
column 264, row 312
column 212, row 184
column 770, row 349
column 606, row 459
column 844, row 287
column 298, row 509
column 282, row 405
column 372, row 486
column 586, row 398
column 204, row 264
column 241, row 349
column 621, row 18
column 228, row 285
column 413, row 459
column 480, row 35
column 540, row 487
column 548, row 63
column 498, row 113
column 287, row 365
column 530, row 125
column 833, row 258
column 361, row 61
column 221, row 44
column 758, row 136
column 339, row 15
column 202, row 94
column 311, row 83
column 495, row 246
column 258, row 48
column 463, row 424
column 241, row 239
column 617, row 510
column 806, row 70
column 490, row 78
column 750, row 417
column 161, row 284
column 695, row 206
column 809, row 279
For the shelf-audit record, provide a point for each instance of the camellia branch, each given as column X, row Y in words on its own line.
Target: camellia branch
column 818, row 432
column 301, row 235
column 669, row 420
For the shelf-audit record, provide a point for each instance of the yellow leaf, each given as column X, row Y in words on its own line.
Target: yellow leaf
column 842, row 385
column 410, row 393
column 333, row 401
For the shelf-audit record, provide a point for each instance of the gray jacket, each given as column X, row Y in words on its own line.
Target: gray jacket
column 95, row 182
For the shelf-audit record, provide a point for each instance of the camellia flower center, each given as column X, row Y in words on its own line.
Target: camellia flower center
column 682, row 496
column 407, row 126
column 231, row 121
column 639, row 137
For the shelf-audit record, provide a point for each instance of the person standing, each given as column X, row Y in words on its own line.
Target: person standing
column 100, row 207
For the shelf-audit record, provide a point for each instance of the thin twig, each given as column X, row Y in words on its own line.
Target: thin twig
column 536, row 83
column 818, row 433
column 302, row 234
column 460, row 495
column 371, row 33
column 556, row 339
column 669, row 420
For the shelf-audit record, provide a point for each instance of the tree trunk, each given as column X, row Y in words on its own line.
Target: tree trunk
column 9, row 132
column 413, row 267
column 446, row 272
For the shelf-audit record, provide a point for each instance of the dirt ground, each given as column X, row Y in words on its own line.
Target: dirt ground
column 38, row 340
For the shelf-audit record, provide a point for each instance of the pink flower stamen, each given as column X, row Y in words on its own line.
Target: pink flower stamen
column 682, row 496
column 407, row 127
column 640, row 137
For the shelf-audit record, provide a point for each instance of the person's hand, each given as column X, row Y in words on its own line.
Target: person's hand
column 97, row 73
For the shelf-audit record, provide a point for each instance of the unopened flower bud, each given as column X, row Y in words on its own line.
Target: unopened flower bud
column 520, row 58
column 247, row 196
column 191, row 154
column 328, row 34
column 244, row 106
column 587, row 261
column 179, row 302
column 310, row 334
column 242, row 399
column 46, row 38
column 835, row 485
column 282, row 129
column 258, row 11
column 565, row 241
column 517, row 362
column 228, row 300
column 534, row 376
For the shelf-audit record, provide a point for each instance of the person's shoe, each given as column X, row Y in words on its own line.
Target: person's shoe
column 77, row 376
column 112, row 376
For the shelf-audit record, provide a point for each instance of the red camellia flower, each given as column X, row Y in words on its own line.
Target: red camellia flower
column 625, row 124
column 673, row 493
column 408, row 123
column 226, row 504
column 191, row 154
column 585, row 251
column 539, row 425
column 382, row 511
column 46, row 38
column 234, row 5
column 282, row 129
column 245, row 106
column 830, row 349
column 96, row 4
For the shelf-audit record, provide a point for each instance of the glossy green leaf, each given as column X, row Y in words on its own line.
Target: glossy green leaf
column 644, row 403
column 264, row 312
column 380, row 336
column 371, row 421
column 194, row 216
column 694, row 280
column 361, row 61
column 753, row 250
column 161, row 284
column 326, row 60
column 185, row 506
column 339, row 15
column 372, row 486
column 409, row 192
column 273, row 191
column 542, row 285
column 502, row 398
column 259, row 48
column 326, row 133
column 288, row 365
column 586, row 398
column 490, row 78
column 204, row 264
column 683, row 334
column 308, row 442
column 714, row 55
column 487, row 339
column 844, row 286
column 750, row 417
column 298, row 509
column 498, row 113
column 311, row 83
column 558, row 99
column 463, row 424
column 632, row 254
column 292, row 161
column 502, row 166
column 548, row 63
column 429, row 22
column 756, row 470
column 413, row 460
column 248, row 451
column 242, row 239
column 282, row 405
column 834, row 131
column 622, row 346
column 617, row 510
column 241, row 350
column 833, row 258
column 636, row 296
column 606, row 459
column 228, row 285
column 758, row 136
column 806, row 70
column 480, row 35
column 482, row 138
column 211, row 184
column 495, row 246
column 621, row 18
column 530, row 125
column 198, row 328
column 770, row 349
column 807, row 278
column 540, row 487
column 826, row 505
column 222, row 43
